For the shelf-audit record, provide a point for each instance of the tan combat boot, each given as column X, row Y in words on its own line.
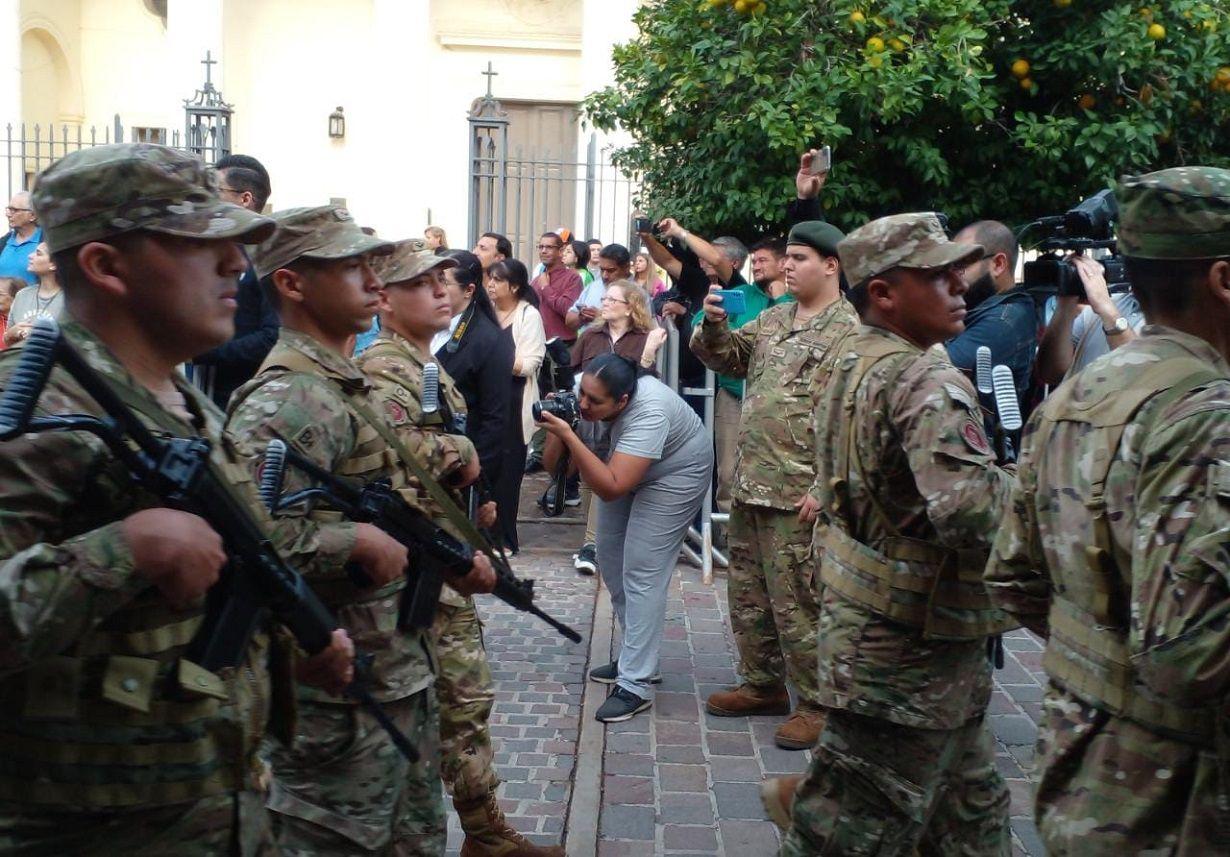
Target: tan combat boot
column 778, row 797
column 802, row 730
column 747, row 701
column 488, row 834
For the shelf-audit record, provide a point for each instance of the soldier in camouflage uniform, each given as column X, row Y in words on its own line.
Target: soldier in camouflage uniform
column 113, row 743
column 785, row 354
column 413, row 307
column 1115, row 548
column 342, row 787
column 908, row 497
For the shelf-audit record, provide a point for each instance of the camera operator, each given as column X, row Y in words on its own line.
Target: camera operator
column 1077, row 336
column 999, row 315
column 647, row 493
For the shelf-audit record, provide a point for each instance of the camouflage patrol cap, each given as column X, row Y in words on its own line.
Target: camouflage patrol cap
column 409, row 259
column 1180, row 213
column 320, row 232
column 900, row 241
column 103, row 191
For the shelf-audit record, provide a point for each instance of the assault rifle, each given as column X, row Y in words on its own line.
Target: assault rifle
column 256, row 583
column 438, row 554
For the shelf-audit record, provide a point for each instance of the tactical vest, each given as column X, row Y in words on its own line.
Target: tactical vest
column 1087, row 651
column 919, row 584
column 119, row 719
column 392, row 350
column 369, row 615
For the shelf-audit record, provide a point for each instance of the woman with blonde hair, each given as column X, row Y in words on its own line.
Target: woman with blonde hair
column 624, row 326
column 435, row 237
column 645, row 273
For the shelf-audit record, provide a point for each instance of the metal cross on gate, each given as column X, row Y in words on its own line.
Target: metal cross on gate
column 489, row 74
column 207, row 62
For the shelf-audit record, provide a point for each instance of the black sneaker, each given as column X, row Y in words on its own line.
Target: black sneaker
column 572, row 495
column 621, row 705
column 586, row 560
column 609, row 674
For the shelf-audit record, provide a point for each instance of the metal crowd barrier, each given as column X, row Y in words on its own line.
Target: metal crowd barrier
column 698, row 545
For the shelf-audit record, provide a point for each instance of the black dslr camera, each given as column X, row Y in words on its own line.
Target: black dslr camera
column 1085, row 227
column 563, row 404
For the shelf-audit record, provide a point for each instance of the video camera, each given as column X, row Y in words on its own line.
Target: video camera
column 1085, row 227
column 563, row 404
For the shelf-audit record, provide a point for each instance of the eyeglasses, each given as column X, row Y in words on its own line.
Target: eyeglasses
column 224, row 189
column 610, row 300
column 8, row 209
column 549, row 246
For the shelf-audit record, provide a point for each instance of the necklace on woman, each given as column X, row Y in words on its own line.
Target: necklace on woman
column 41, row 305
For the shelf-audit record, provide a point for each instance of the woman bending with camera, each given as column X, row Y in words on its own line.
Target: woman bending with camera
column 647, row 494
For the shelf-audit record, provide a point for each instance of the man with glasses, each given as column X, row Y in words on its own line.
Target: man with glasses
column 907, row 498
column 243, row 181
column 24, row 236
column 998, row 315
column 558, row 288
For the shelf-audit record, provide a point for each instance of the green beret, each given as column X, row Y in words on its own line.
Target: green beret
column 818, row 235
column 1180, row 213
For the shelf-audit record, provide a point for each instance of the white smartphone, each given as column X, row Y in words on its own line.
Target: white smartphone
column 821, row 161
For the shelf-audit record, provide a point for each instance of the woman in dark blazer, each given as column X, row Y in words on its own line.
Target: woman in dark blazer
column 478, row 354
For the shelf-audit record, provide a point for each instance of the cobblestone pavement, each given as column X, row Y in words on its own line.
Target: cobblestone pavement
column 675, row 780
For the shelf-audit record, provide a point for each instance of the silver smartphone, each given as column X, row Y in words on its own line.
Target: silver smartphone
column 821, row 161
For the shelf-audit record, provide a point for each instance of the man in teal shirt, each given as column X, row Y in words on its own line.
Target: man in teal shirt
column 728, row 397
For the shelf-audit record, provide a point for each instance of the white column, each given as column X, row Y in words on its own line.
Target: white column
column 10, row 61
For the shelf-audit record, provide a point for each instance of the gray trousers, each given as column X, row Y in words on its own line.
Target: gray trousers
column 639, row 536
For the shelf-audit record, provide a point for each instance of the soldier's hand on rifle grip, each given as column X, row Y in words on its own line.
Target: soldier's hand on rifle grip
column 480, row 579
column 176, row 551
column 381, row 556
column 332, row 669
column 487, row 515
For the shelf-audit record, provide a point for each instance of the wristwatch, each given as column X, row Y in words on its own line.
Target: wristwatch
column 1119, row 325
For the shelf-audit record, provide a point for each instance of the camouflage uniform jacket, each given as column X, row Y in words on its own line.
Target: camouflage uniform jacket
column 315, row 413
column 91, row 679
column 395, row 366
column 786, row 368
column 1166, row 514
column 922, row 472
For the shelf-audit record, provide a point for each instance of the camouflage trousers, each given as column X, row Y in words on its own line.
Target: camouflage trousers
column 346, row 790
column 231, row 824
column 879, row 788
column 1108, row 786
column 774, row 596
column 465, row 696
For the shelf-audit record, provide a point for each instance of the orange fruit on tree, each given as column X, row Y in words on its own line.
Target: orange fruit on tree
column 1156, row 32
column 875, row 44
column 1062, row 4
column 1020, row 69
column 1027, row 83
column 875, row 60
column 1087, row 102
column 857, row 17
column 1223, row 74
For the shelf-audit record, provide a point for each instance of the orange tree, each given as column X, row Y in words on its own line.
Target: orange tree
column 979, row 108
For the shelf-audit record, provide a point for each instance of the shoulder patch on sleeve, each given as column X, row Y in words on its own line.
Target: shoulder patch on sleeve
column 306, row 438
column 974, row 438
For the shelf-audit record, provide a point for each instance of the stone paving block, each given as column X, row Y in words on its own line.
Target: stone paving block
column 683, row 778
column 1024, row 828
column 730, row 744
column 627, row 790
column 682, row 755
column 778, row 761
column 629, row 763
column 735, row 770
column 1013, row 729
column 1023, row 693
column 675, row 706
column 628, row 822
column 702, row 840
column 628, row 742
column 738, row 800
column 749, row 838
column 685, row 808
column 608, row 848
